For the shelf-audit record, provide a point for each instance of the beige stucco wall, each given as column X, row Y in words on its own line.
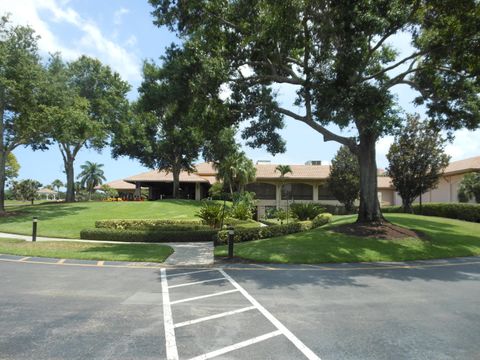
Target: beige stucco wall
column 446, row 191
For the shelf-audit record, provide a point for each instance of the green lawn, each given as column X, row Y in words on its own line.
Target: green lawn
column 444, row 238
column 67, row 220
column 87, row 251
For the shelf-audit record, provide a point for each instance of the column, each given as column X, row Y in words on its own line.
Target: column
column 198, row 194
column 138, row 191
column 315, row 192
column 278, row 196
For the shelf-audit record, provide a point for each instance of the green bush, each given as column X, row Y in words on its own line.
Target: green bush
column 147, row 235
column 467, row 212
column 264, row 232
column 243, row 205
column 321, row 219
column 306, row 211
column 211, row 214
column 150, row 224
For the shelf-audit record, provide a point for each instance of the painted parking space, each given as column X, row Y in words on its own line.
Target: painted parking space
column 209, row 315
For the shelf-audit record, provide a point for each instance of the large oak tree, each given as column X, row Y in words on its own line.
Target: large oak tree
column 21, row 77
column 84, row 100
column 338, row 55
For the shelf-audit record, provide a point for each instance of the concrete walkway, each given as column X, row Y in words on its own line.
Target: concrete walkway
column 186, row 253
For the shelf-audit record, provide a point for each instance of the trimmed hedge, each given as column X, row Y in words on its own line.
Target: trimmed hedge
column 467, row 212
column 242, row 235
column 147, row 235
column 151, row 224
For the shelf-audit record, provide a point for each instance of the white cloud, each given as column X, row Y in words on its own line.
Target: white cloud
column 465, row 145
column 41, row 14
column 118, row 15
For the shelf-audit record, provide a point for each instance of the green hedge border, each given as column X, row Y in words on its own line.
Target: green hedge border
column 459, row 211
column 153, row 236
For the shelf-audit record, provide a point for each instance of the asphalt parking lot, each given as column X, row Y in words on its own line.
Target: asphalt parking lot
column 423, row 310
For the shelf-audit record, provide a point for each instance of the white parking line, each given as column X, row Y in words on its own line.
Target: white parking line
column 237, row 346
column 227, row 313
column 300, row 345
column 203, row 296
column 189, row 272
column 171, row 344
column 25, row 258
column 196, row 282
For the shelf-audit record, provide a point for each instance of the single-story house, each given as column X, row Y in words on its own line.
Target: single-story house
column 306, row 183
column 49, row 194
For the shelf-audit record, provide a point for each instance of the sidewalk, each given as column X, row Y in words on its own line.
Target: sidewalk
column 186, row 253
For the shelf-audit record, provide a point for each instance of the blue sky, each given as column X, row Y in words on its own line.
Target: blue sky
column 121, row 34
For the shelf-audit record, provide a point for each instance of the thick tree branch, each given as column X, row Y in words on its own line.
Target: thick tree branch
column 327, row 134
column 391, row 67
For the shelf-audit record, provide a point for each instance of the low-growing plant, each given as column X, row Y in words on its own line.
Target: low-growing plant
column 306, row 211
column 144, row 224
column 243, row 205
column 265, row 232
column 212, row 214
column 321, row 219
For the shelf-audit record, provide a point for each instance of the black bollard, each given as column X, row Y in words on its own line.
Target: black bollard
column 231, row 233
column 34, row 229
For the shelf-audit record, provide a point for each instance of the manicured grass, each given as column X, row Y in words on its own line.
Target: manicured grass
column 67, row 220
column 87, row 251
column 444, row 238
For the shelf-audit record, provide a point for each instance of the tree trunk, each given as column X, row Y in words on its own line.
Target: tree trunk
column 369, row 210
column 407, row 206
column 176, row 182
column 3, row 159
column 70, row 195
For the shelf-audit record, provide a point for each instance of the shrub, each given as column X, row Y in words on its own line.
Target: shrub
column 467, row 212
column 211, row 214
column 241, row 211
column 264, row 232
column 321, row 219
column 150, row 224
column 243, row 205
column 306, row 211
column 147, row 235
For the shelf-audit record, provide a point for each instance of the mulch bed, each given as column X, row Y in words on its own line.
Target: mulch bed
column 384, row 231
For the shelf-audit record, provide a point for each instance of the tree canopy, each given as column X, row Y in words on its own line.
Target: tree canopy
column 416, row 160
column 91, row 176
column 83, row 101
column 344, row 179
column 338, row 55
column 21, row 77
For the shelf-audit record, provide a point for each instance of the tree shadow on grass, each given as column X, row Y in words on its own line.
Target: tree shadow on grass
column 130, row 252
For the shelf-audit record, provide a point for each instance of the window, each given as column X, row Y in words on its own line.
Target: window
column 324, row 193
column 297, row 192
column 263, row 191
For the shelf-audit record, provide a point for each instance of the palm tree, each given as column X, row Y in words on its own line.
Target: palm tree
column 236, row 171
column 57, row 184
column 284, row 170
column 91, row 176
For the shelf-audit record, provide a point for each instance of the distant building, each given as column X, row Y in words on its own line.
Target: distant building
column 306, row 183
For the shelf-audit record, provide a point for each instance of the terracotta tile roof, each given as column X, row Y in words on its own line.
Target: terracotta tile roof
column 313, row 172
column 47, row 191
column 384, row 182
column 464, row 166
column 205, row 168
column 118, row 185
column 163, row 176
